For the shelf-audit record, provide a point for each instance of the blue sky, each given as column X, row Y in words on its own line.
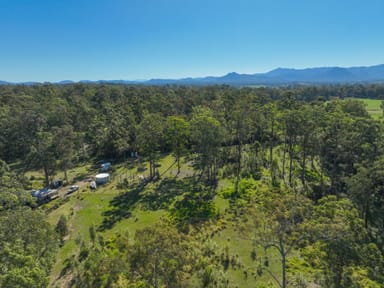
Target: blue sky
column 52, row 40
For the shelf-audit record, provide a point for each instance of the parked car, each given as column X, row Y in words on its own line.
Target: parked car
column 105, row 167
column 93, row 185
column 35, row 193
column 72, row 189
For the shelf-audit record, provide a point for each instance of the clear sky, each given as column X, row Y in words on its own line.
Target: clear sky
column 53, row 40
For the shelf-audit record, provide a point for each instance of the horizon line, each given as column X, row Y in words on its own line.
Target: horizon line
column 140, row 81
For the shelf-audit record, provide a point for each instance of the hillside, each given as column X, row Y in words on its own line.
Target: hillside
column 208, row 186
column 114, row 210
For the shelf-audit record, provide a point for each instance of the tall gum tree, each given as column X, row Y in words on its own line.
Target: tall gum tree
column 149, row 137
column 177, row 134
column 207, row 136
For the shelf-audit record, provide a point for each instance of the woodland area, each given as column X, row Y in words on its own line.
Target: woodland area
column 300, row 170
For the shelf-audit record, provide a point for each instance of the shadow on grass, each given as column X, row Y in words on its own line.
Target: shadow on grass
column 194, row 208
column 121, row 207
column 166, row 193
column 80, row 177
column 160, row 195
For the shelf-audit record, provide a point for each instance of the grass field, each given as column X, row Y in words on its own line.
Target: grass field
column 372, row 106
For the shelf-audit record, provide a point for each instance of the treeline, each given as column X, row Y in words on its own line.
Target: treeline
column 293, row 136
column 54, row 126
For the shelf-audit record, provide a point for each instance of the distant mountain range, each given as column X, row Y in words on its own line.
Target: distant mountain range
column 279, row 76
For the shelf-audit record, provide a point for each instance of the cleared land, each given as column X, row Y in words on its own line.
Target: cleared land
column 372, row 106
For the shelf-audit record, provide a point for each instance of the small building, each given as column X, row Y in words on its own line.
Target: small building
column 46, row 195
column 105, row 167
column 102, row 178
column 40, row 193
column 53, row 194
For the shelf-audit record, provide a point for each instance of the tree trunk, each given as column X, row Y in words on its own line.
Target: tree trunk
column 238, row 168
column 271, row 145
column 151, row 166
column 283, row 161
column 46, row 175
column 366, row 213
column 304, row 161
column 290, row 161
column 283, row 265
column 66, row 174
column 178, row 164
column 156, row 284
column 334, row 168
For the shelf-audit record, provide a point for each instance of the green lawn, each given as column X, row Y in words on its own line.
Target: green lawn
column 372, row 106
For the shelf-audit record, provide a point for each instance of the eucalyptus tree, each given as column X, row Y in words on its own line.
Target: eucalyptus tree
column 339, row 248
column 270, row 132
column 177, row 134
column 150, row 135
column 366, row 190
column 42, row 154
column 160, row 257
column 276, row 222
column 238, row 121
column 64, row 141
column 309, row 118
column 207, row 137
column 27, row 250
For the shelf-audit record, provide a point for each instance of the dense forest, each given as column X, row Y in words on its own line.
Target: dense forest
column 299, row 168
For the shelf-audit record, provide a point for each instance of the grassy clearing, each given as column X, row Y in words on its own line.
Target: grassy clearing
column 115, row 208
column 86, row 208
column 241, row 248
column 372, row 106
column 83, row 210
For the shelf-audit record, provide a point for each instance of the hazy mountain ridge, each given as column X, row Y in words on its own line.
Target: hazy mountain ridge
column 320, row 75
column 278, row 76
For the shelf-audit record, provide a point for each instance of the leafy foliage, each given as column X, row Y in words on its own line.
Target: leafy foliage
column 27, row 250
column 158, row 256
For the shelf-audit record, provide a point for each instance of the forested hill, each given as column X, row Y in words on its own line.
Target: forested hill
column 209, row 186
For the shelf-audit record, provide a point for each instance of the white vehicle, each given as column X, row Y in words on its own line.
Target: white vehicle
column 72, row 189
column 93, row 185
